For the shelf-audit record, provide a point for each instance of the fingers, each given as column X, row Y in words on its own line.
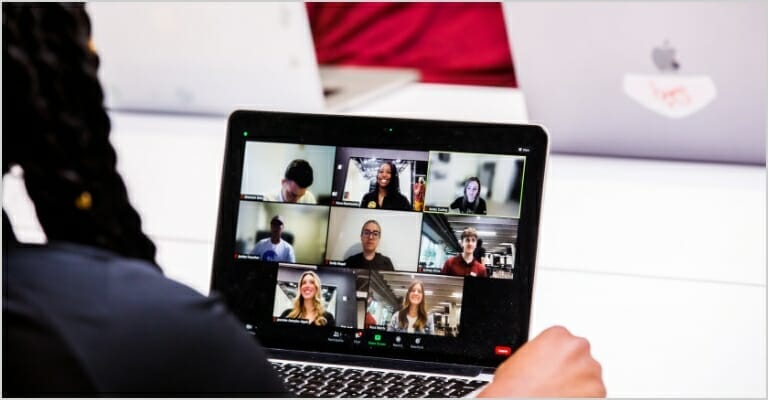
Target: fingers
column 554, row 364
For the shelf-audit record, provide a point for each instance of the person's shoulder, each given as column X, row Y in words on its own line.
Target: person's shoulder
column 107, row 305
column 481, row 206
column 66, row 276
column 401, row 202
column 128, row 291
column 369, row 200
column 384, row 261
column 481, row 268
column 308, row 198
column 353, row 258
column 369, row 196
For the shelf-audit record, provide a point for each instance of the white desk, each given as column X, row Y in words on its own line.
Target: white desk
column 660, row 264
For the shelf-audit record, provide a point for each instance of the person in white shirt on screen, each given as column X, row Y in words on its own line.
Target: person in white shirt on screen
column 274, row 248
column 413, row 317
column 294, row 187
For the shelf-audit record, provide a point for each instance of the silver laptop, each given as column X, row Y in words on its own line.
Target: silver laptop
column 659, row 79
column 333, row 319
column 213, row 58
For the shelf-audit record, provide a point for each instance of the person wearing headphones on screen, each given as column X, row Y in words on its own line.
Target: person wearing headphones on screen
column 90, row 312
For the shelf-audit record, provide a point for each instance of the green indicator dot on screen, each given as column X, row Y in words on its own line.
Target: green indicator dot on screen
column 245, row 133
column 377, row 337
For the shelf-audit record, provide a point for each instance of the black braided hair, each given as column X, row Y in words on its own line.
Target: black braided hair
column 55, row 127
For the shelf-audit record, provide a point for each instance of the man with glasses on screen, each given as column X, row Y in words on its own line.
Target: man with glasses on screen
column 370, row 236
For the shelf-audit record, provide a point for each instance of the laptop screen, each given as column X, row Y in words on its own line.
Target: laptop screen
column 395, row 238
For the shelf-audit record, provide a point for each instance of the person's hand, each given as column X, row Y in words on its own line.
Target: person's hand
column 554, row 364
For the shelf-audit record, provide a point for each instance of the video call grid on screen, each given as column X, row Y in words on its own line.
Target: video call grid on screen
column 322, row 235
column 354, row 303
column 249, row 284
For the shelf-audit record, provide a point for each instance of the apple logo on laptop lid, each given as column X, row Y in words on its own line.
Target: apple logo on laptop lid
column 664, row 57
column 669, row 93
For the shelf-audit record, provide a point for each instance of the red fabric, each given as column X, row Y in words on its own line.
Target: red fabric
column 457, row 266
column 463, row 43
column 369, row 320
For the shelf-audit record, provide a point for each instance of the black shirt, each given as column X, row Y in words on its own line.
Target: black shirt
column 392, row 201
column 379, row 262
column 121, row 326
column 459, row 203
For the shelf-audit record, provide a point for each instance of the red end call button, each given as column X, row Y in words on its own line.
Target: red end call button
column 502, row 350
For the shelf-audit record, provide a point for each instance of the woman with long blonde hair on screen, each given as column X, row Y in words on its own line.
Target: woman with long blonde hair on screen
column 413, row 317
column 308, row 304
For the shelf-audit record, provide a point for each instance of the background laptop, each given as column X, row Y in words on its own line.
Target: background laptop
column 478, row 321
column 212, row 58
column 659, row 79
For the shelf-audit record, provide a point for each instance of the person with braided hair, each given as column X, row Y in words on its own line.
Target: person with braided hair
column 90, row 312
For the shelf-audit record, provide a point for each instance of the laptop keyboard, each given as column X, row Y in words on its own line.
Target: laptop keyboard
column 325, row 381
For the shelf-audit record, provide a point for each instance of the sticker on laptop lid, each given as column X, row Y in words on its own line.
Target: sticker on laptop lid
column 673, row 96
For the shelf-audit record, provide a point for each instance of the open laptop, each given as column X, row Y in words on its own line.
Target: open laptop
column 272, row 257
column 212, row 58
column 659, row 79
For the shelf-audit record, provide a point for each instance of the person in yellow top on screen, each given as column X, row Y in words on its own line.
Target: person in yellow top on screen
column 294, row 187
column 386, row 194
column 308, row 304
column 471, row 202
column 370, row 235
column 418, row 194
column 413, row 317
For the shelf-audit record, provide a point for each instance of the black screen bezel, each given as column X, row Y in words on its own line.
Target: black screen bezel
column 530, row 141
